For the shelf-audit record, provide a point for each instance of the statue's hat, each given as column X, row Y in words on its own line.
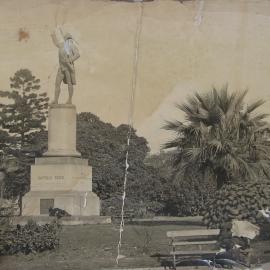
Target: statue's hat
column 68, row 36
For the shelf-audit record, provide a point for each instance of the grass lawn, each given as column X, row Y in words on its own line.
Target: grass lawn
column 94, row 247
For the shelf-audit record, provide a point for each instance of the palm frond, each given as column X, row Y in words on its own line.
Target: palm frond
column 215, row 146
column 172, row 125
column 255, row 105
column 259, row 117
column 203, row 101
column 172, row 144
column 186, row 108
column 239, row 100
column 247, row 168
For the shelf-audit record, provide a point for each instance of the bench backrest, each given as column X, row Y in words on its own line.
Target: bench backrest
column 201, row 242
column 193, row 233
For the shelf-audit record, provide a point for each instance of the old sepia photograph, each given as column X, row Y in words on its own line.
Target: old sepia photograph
column 134, row 134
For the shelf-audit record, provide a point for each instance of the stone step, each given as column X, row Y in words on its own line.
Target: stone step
column 69, row 221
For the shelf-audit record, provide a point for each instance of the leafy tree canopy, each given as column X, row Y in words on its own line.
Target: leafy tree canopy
column 105, row 146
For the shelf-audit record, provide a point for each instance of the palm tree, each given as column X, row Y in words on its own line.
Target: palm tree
column 220, row 136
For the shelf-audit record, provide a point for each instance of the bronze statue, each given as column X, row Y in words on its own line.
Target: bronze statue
column 68, row 54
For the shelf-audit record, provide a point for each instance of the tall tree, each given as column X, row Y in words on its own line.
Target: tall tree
column 105, row 147
column 221, row 136
column 23, row 110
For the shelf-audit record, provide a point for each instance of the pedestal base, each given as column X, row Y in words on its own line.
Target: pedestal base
column 61, row 174
column 61, row 179
column 76, row 203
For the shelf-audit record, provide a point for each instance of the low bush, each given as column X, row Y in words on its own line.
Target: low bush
column 238, row 201
column 57, row 212
column 30, row 238
column 113, row 206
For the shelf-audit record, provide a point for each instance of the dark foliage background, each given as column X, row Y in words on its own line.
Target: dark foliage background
column 152, row 186
column 105, row 147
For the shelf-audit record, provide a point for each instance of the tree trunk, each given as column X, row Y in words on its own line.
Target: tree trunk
column 221, row 178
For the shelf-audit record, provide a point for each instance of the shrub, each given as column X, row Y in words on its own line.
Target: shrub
column 112, row 207
column 30, row 238
column 238, row 201
column 57, row 212
column 188, row 196
column 9, row 208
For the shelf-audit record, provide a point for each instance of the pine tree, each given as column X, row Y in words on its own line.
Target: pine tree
column 23, row 111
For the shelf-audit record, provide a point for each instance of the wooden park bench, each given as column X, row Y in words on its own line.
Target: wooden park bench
column 199, row 243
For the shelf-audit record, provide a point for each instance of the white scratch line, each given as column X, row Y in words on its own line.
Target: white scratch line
column 199, row 16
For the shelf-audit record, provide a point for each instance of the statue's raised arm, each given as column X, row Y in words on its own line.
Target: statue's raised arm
column 55, row 40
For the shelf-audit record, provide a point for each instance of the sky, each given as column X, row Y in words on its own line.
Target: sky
column 177, row 54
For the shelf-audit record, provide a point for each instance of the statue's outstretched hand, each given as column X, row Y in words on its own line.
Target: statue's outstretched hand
column 55, row 39
column 60, row 30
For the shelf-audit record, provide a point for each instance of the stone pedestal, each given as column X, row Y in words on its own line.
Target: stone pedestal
column 62, row 131
column 61, row 179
